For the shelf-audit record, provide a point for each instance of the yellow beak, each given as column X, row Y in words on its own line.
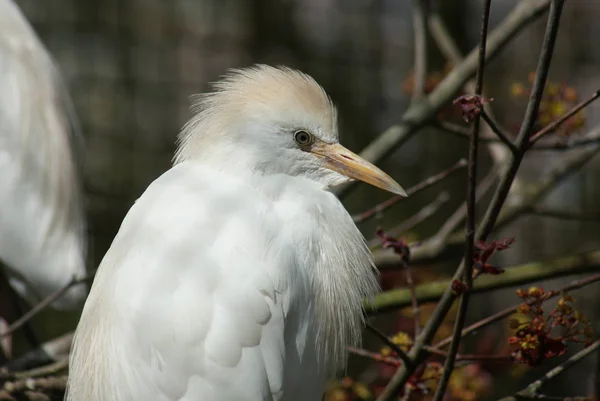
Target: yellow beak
column 338, row 158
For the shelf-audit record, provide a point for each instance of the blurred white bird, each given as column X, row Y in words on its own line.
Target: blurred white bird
column 42, row 239
column 237, row 275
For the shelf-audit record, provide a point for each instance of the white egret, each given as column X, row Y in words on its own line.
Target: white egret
column 237, row 275
column 42, row 236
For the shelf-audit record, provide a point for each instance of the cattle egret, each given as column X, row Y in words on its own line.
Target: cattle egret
column 42, row 241
column 237, row 275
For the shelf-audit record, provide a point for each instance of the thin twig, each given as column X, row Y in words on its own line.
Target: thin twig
column 593, row 137
column 509, row 311
column 471, row 204
column 18, row 305
column 43, row 304
column 470, row 357
column 523, row 397
column 44, row 388
column 563, row 214
column 462, row 131
column 385, row 339
column 480, row 358
column 48, row 370
column 459, row 215
column 414, row 220
column 434, row 248
column 394, row 361
column 498, row 131
column 555, row 124
column 533, row 389
column 53, row 350
column 416, row 312
column 443, row 38
column 538, row 384
column 375, row 356
column 429, row 210
column 434, row 179
column 419, row 12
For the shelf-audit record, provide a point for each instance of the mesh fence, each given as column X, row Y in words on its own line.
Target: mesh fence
column 132, row 65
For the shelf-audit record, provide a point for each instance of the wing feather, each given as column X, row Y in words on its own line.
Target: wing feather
column 191, row 296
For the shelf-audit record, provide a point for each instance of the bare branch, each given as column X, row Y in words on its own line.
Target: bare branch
column 514, row 275
column 47, row 370
column 416, row 312
column 563, row 214
column 34, row 389
column 53, row 350
column 523, row 397
column 420, row 12
column 393, row 361
column 593, row 137
column 379, row 334
column 538, row 384
column 434, row 179
column 435, row 247
column 534, row 388
column 471, row 204
column 503, row 136
column 43, row 305
column 509, row 311
column 443, row 38
column 555, row 124
column 459, row 215
column 414, row 220
column 375, row 356
column 572, row 142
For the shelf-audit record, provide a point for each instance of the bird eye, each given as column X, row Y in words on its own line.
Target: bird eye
column 303, row 138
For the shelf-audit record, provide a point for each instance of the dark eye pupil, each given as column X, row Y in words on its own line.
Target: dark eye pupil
column 302, row 137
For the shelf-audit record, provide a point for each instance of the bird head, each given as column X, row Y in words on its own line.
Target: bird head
column 270, row 120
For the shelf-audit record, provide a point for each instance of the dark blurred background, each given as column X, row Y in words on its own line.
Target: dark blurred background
column 131, row 66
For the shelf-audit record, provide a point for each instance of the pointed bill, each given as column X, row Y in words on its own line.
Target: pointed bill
column 338, row 158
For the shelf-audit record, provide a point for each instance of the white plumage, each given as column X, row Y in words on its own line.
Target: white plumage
column 42, row 238
column 237, row 275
